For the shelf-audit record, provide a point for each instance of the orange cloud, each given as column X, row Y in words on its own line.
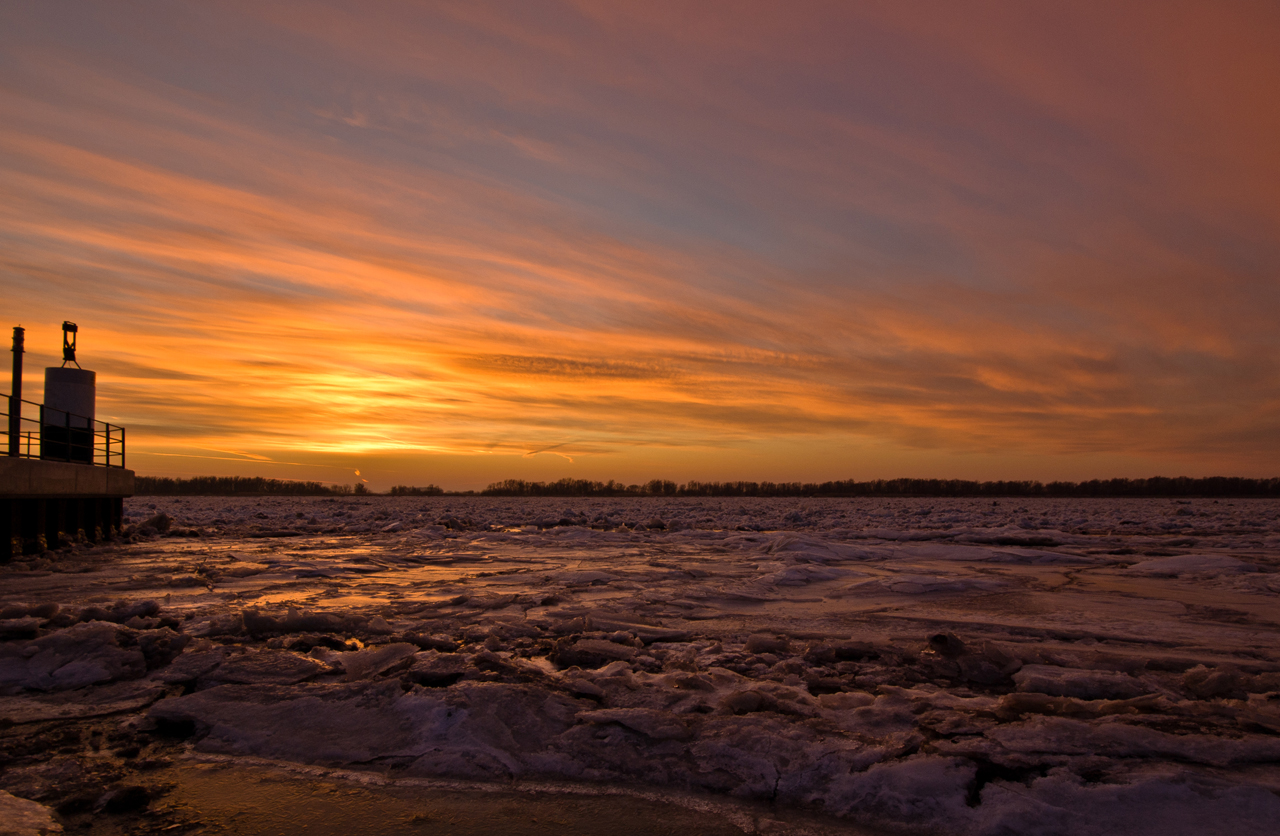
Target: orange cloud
column 1005, row 239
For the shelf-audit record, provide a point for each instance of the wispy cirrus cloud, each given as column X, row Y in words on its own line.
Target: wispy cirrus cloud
column 1037, row 236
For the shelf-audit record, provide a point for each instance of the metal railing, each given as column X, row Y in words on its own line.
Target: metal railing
column 61, row 436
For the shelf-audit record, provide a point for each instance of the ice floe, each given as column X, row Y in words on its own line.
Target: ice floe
column 951, row 666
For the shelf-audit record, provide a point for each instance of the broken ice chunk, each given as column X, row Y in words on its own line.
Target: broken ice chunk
column 81, row 655
column 1082, row 684
column 1192, row 564
column 589, row 653
column 434, row 670
column 584, row 688
column 88, row 702
column 946, row 644
column 923, row 789
column 440, row 642
column 659, row 725
column 766, row 643
column 21, row 817
column 19, row 628
column 362, row 664
column 583, row 577
column 827, row 653
column 266, row 667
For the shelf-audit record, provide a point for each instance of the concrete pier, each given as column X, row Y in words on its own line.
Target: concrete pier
column 44, row 502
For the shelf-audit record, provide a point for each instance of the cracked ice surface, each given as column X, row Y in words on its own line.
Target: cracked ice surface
column 954, row 665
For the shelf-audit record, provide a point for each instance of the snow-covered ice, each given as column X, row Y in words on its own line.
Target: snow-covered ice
column 957, row 666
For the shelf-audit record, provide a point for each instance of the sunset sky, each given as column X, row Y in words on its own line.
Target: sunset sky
column 460, row 242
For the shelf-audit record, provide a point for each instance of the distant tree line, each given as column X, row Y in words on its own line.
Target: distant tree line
column 582, row 487
column 238, row 486
column 1156, row 486
column 413, row 490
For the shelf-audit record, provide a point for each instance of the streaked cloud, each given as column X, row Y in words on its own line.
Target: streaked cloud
column 1019, row 240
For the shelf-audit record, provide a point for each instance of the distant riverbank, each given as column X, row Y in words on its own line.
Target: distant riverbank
column 1156, row 486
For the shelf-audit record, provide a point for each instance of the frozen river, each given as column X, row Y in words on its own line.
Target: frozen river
column 957, row 666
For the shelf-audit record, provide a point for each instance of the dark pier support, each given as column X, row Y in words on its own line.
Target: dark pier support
column 46, row 504
column 32, row 524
